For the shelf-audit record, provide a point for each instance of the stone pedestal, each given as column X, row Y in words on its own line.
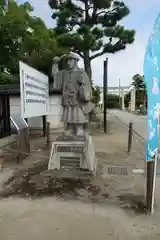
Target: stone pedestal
column 73, row 153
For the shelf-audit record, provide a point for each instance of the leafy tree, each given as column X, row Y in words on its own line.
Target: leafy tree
column 113, row 101
column 25, row 37
column 40, row 46
column 14, row 25
column 127, row 99
column 96, row 95
column 138, row 81
column 91, row 28
column 6, row 78
column 141, row 93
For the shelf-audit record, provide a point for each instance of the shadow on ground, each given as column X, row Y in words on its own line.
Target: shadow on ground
column 37, row 182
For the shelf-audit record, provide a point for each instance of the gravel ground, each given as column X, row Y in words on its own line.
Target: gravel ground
column 35, row 205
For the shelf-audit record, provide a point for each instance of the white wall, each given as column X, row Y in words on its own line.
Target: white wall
column 55, row 111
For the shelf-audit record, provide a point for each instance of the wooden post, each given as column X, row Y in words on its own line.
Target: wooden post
column 44, row 125
column 151, row 183
column 26, row 136
column 130, row 135
column 105, row 90
column 149, row 189
column 48, row 133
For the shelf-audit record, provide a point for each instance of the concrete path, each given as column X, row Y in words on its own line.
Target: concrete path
column 51, row 218
column 140, row 122
column 48, row 219
column 140, row 125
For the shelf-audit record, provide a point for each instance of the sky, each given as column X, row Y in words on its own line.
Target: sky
column 124, row 64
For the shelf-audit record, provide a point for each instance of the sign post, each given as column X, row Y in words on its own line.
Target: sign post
column 34, row 93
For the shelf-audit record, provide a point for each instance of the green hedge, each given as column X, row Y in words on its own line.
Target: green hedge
column 6, row 78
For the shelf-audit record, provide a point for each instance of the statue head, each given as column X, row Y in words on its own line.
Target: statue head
column 72, row 60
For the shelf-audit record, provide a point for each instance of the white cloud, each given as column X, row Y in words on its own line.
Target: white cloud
column 123, row 64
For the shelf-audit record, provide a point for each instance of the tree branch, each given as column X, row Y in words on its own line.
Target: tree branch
column 97, row 55
column 104, row 12
column 90, row 7
column 100, row 53
column 100, row 13
column 80, row 54
column 94, row 12
column 86, row 12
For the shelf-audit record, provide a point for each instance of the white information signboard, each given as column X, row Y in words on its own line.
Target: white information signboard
column 34, row 92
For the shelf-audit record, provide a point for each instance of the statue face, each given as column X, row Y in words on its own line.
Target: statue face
column 72, row 63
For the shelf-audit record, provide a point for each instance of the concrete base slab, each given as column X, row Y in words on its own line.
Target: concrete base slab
column 74, row 174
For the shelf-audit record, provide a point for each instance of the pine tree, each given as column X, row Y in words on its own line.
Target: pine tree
column 91, row 27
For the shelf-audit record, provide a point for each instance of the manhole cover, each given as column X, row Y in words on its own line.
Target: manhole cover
column 119, row 170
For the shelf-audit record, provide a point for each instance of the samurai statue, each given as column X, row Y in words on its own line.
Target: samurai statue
column 76, row 95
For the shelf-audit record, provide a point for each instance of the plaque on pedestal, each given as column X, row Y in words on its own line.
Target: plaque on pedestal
column 73, row 154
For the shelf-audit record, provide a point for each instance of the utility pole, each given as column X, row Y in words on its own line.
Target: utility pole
column 105, row 93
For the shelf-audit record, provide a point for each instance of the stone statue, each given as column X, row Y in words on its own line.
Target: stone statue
column 76, row 96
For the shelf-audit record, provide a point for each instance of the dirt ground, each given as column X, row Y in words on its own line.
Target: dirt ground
column 34, row 205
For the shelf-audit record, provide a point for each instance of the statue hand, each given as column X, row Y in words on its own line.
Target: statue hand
column 56, row 59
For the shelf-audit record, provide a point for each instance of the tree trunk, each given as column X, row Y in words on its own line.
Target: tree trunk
column 87, row 64
column 87, row 67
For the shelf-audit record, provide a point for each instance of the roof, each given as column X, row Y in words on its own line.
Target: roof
column 14, row 90
column 10, row 89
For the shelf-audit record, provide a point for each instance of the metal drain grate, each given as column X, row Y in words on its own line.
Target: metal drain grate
column 120, row 171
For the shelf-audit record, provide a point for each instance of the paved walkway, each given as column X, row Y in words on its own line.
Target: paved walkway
column 140, row 122
column 66, row 219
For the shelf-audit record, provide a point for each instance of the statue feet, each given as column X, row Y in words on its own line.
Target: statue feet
column 75, row 131
column 69, row 133
column 79, row 131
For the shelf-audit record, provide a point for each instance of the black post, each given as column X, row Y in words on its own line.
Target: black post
column 48, row 133
column 44, row 125
column 8, row 115
column 130, row 135
column 149, row 189
column 105, row 90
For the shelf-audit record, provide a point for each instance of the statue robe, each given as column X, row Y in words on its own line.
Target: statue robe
column 76, row 95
